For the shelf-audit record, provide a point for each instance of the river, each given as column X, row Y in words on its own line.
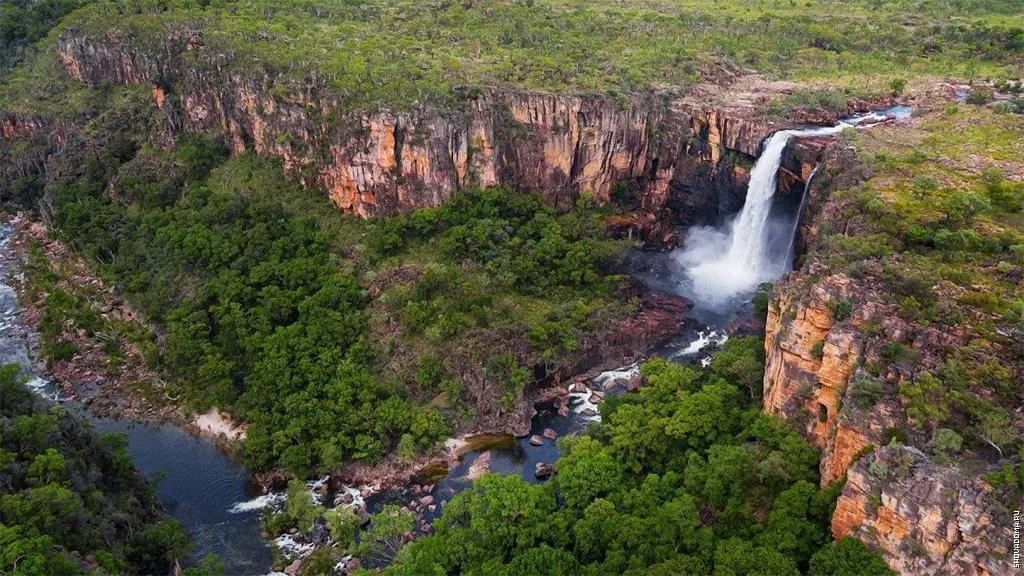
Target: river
column 196, row 483
column 211, row 495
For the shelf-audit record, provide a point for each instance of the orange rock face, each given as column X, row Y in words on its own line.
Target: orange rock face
column 924, row 518
column 391, row 161
column 809, row 359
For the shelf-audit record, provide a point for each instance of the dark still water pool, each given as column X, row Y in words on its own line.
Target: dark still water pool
column 199, row 485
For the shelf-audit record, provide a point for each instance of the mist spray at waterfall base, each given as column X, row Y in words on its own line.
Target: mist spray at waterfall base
column 723, row 266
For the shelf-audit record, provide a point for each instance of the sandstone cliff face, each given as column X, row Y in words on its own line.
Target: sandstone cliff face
column 925, row 518
column 681, row 153
column 810, row 358
column 13, row 126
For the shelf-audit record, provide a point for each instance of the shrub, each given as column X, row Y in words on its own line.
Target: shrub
column 841, row 309
column 878, row 469
column 897, row 86
column 946, row 442
column 761, row 300
column 924, row 186
column 980, row 96
column 865, row 392
column 818, row 350
column 895, row 436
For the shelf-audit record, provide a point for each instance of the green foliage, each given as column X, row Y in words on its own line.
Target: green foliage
column 68, row 493
column 344, row 524
column 897, row 85
column 946, row 442
column 926, row 399
column 686, row 476
column 741, row 361
column 299, row 507
column 383, row 540
column 842, row 309
column 979, row 96
column 400, row 52
column 848, row 557
column 761, row 299
column 264, row 315
column 865, row 392
column 22, row 22
column 818, row 350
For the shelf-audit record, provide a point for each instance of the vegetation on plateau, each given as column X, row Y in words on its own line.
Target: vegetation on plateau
column 70, row 500
column 399, row 52
column 938, row 231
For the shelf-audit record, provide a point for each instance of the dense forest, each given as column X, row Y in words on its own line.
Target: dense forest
column 267, row 312
column 70, row 500
column 687, row 476
column 175, row 148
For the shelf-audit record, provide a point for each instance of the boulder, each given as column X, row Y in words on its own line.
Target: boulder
column 293, row 568
column 426, row 500
column 550, row 434
column 543, row 470
column 536, row 440
column 480, row 465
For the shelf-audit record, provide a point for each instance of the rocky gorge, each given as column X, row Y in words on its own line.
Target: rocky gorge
column 684, row 154
column 669, row 159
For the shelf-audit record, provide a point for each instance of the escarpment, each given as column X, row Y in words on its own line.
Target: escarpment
column 683, row 155
column 841, row 359
column 925, row 517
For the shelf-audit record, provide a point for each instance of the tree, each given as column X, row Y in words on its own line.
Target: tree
column 734, row 557
column 946, row 442
column 847, row 557
column 343, row 523
column 741, row 361
column 383, row 539
column 586, row 472
column 961, row 207
column 924, row 186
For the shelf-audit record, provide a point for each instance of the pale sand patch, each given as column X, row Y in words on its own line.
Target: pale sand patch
column 213, row 423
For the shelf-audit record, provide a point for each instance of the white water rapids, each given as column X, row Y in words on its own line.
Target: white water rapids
column 724, row 264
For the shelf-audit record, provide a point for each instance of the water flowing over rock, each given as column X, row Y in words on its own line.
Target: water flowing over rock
column 726, row 263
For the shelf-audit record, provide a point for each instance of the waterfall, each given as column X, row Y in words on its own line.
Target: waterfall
column 724, row 264
column 791, row 249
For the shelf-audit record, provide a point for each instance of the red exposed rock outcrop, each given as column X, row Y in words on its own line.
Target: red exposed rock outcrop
column 389, row 161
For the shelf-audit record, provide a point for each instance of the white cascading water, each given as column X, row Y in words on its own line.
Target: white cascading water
column 723, row 264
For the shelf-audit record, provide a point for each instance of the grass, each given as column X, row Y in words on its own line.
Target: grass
column 400, row 52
